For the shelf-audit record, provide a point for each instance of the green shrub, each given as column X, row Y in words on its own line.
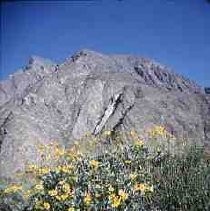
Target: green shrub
column 183, row 182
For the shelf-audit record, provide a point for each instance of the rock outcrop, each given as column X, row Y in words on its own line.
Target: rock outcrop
column 92, row 92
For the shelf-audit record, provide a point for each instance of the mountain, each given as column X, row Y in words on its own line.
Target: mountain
column 91, row 92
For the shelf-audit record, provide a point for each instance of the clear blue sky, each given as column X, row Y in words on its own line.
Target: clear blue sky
column 173, row 32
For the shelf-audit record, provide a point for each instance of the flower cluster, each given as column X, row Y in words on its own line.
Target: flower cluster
column 75, row 181
column 13, row 188
column 159, row 131
column 121, row 176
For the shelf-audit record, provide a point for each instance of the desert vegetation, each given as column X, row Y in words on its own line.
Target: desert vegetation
column 114, row 171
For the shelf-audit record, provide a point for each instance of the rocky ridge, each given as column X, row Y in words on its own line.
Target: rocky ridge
column 92, row 92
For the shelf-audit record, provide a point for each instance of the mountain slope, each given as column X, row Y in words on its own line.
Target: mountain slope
column 92, row 92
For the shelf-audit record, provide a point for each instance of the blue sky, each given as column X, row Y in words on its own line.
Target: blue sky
column 173, row 32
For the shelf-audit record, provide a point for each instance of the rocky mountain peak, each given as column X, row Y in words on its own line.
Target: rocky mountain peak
column 145, row 70
column 18, row 83
column 83, row 54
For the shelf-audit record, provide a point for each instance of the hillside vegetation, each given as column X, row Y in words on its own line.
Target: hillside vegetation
column 111, row 173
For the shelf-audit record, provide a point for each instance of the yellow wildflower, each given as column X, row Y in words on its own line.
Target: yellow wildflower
column 59, row 151
column 128, row 161
column 73, row 153
column 123, row 195
column 115, row 200
column 13, row 188
column 143, row 187
column 32, row 168
column 41, row 147
column 94, row 164
column 38, row 204
column 41, row 205
column 66, row 188
column 107, row 133
column 151, row 188
column 71, row 209
column 43, row 170
column 62, row 182
column 46, row 205
column 87, row 199
column 158, row 130
column 64, row 168
column 62, row 197
column 139, row 142
column 111, row 189
column 39, row 187
column 133, row 176
column 27, row 194
column 53, row 192
column 48, row 157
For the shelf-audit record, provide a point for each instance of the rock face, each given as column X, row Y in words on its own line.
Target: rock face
column 92, row 92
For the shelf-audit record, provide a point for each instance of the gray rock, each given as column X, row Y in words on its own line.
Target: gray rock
column 92, row 92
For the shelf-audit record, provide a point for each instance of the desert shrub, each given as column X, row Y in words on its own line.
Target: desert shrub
column 183, row 182
column 111, row 174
